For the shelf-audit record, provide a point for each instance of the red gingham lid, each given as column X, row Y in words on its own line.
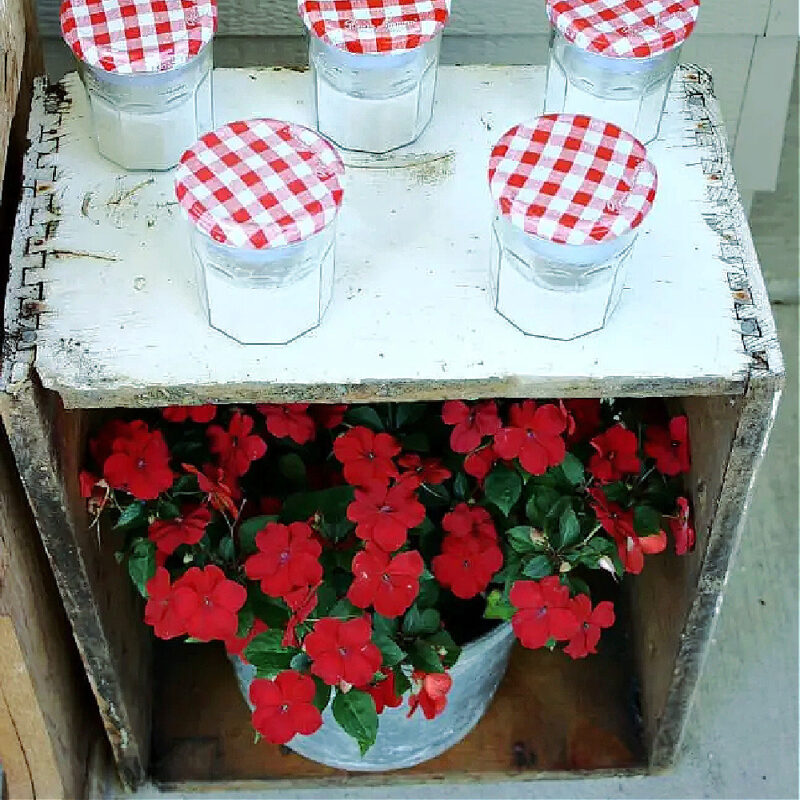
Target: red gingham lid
column 260, row 183
column 127, row 36
column 624, row 28
column 374, row 26
column 572, row 179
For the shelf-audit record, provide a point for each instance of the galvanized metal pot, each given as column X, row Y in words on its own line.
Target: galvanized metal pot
column 405, row 742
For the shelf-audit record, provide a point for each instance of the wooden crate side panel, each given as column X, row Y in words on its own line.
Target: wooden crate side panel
column 105, row 616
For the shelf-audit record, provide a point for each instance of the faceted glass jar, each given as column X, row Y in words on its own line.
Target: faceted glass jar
column 630, row 92
column 373, row 102
column 267, row 296
column 557, row 291
column 145, row 120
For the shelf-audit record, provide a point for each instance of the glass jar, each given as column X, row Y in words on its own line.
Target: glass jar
column 262, row 197
column 149, row 91
column 616, row 65
column 570, row 194
column 374, row 68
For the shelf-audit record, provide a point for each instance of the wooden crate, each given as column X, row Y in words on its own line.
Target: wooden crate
column 102, row 312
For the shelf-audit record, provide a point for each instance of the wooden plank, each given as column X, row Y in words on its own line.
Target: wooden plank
column 763, row 121
column 470, row 17
column 112, row 267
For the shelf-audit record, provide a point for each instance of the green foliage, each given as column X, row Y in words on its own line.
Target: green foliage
column 364, row 415
column 329, row 503
column 503, row 488
column 268, row 655
column 355, row 712
column 142, row 563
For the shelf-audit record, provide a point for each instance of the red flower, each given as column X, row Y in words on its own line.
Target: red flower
column 139, row 462
column 289, row 420
column 287, row 558
column 467, row 564
column 590, row 621
column 160, row 610
column 236, row 448
column 367, row 456
column 385, row 515
column 188, row 528
column 670, row 448
column 389, row 586
column 429, row 470
column 329, row 416
column 208, row 603
column 613, row 517
column 682, row 531
column 236, row 645
column 302, row 602
column 270, row 506
column 471, row 423
column 200, row 414
column 534, row 436
column 219, row 489
column 465, row 520
column 284, row 706
column 479, row 462
column 586, row 418
column 545, row 612
column 383, row 692
column 342, row 652
column 93, row 489
column 431, row 693
column 616, row 454
column 100, row 446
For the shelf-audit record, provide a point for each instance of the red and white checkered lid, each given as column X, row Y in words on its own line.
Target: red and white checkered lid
column 572, row 179
column 260, row 183
column 131, row 36
column 374, row 26
column 624, row 28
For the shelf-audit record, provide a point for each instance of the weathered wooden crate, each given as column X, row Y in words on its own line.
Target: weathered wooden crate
column 102, row 312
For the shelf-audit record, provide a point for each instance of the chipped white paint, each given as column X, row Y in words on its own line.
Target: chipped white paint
column 410, row 315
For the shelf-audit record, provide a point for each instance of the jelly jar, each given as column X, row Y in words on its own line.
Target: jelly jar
column 262, row 197
column 374, row 65
column 570, row 193
column 146, row 66
column 614, row 59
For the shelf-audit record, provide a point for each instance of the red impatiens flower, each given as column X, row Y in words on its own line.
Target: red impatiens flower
column 633, row 550
column 590, row 620
column 388, row 585
column 236, row 645
column 200, row 414
column 429, row 693
column 301, row 602
column 287, row 558
column 236, row 448
column 535, row 436
column 284, row 706
column 545, row 612
column 586, row 419
column 342, row 652
column 367, row 456
column 466, row 564
column 471, row 423
column 289, row 420
column 670, row 448
column 219, row 489
column 615, row 520
column 329, row 416
column 188, row 528
column 208, row 603
column 429, row 470
column 616, row 454
column 466, row 520
column 270, row 506
column 385, row 515
column 682, row 530
column 383, row 692
column 100, row 445
column 479, row 462
column 139, row 462
column 95, row 490
column 160, row 610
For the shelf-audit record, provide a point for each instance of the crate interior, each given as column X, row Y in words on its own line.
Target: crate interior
column 551, row 714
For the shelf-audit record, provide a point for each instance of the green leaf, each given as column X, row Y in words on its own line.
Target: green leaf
column 248, row 530
column 384, row 626
column 409, row 413
column 132, row 516
column 428, row 591
column 546, row 498
column 390, row 650
column 226, row 549
column 576, row 585
column 538, row 567
column 185, row 484
column 521, row 539
column 401, row 682
column 291, row 466
column 168, row 510
column 142, row 564
column 617, row 492
column 330, row 503
column 355, row 712
column 344, row 609
column 268, row 655
column 323, row 694
column 447, row 649
column 573, row 471
column 460, row 486
column 300, row 662
column 569, row 528
column 498, row 607
column 420, row 623
column 364, row 415
column 246, row 618
column 646, row 520
column 503, row 488
column 267, row 609
column 425, row 656
column 433, row 495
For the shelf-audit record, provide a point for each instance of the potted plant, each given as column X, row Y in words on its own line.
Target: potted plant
column 368, row 568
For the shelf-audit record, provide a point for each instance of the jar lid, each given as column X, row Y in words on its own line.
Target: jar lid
column 572, row 179
column 374, row 26
column 132, row 36
column 260, row 183
column 624, row 28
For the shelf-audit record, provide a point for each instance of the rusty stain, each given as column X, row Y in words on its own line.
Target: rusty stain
column 82, row 254
column 121, row 198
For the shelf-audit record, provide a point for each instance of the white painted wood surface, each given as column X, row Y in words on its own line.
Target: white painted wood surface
column 410, row 317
